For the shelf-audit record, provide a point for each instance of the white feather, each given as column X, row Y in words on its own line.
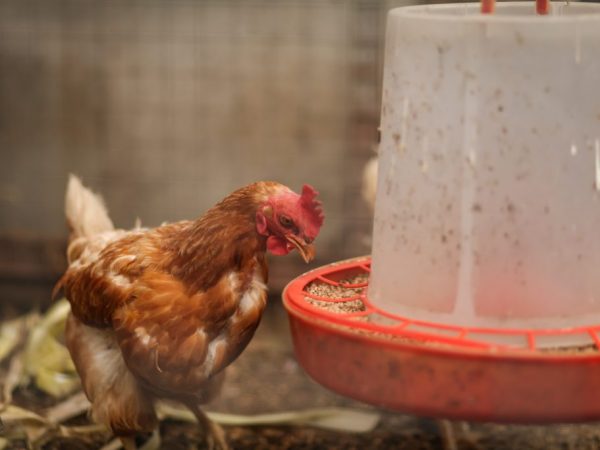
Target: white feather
column 85, row 210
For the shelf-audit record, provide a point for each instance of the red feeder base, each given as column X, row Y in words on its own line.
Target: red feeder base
column 409, row 366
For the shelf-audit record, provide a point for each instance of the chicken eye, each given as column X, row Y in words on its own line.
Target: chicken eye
column 286, row 222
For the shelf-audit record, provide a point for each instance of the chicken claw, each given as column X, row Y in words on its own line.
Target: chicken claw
column 215, row 435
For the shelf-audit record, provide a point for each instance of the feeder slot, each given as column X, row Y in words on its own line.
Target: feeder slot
column 499, row 340
column 387, row 321
column 403, row 325
column 576, row 339
column 428, row 330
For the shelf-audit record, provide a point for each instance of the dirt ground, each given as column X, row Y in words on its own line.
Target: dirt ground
column 266, row 378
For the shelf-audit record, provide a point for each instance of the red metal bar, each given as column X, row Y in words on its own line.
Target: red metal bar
column 594, row 336
column 327, row 280
column 488, row 6
column 542, row 7
column 530, row 340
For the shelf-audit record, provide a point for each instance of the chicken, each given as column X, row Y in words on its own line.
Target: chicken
column 160, row 313
column 369, row 183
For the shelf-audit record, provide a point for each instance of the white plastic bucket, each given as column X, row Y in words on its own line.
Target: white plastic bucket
column 488, row 198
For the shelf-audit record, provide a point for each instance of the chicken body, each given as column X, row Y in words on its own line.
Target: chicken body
column 159, row 313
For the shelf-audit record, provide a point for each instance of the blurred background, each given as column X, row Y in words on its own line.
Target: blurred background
column 165, row 107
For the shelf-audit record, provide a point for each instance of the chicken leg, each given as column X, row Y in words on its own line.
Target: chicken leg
column 128, row 443
column 453, row 433
column 215, row 435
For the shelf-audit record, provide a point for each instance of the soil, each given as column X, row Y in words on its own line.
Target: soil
column 267, row 378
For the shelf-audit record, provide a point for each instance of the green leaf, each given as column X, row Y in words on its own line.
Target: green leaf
column 57, row 384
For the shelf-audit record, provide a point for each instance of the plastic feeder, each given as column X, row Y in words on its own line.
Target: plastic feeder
column 483, row 301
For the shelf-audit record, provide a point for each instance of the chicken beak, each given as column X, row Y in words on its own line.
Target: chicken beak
column 307, row 251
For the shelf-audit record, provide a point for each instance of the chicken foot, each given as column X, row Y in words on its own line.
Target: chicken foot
column 215, row 435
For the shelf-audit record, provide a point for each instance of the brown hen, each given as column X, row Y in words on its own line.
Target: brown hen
column 159, row 313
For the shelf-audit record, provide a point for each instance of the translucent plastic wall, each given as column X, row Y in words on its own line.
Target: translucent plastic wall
column 488, row 200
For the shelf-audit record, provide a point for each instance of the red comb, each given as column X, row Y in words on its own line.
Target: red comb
column 308, row 200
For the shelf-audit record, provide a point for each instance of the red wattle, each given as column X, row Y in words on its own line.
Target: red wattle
column 277, row 246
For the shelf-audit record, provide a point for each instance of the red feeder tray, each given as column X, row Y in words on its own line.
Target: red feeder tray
column 439, row 370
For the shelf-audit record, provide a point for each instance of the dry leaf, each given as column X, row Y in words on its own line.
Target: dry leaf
column 11, row 414
column 21, row 423
column 72, row 407
column 12, row 379
column 10, row 335
column 338, row 419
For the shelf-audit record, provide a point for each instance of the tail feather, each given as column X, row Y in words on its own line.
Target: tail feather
column 86, row 216
column 85, row 211
column 369, row 184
